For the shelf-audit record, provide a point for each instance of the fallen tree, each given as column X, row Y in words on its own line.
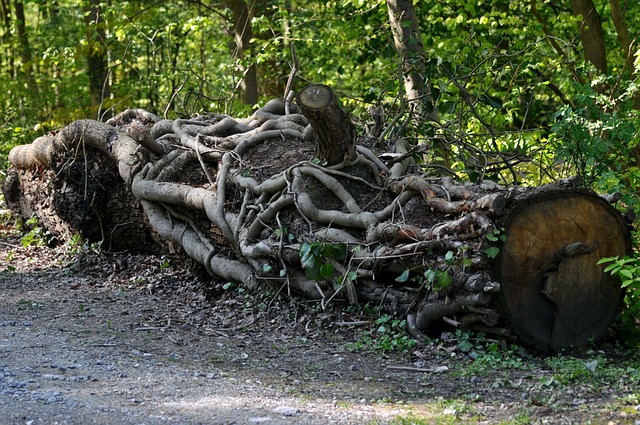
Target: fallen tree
column 287, row 199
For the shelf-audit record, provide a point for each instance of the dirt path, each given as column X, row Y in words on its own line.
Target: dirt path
column 77, row 347
column 137, row 340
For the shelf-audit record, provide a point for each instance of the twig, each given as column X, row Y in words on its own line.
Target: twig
column 288, row 92
column 10, row 245
column 202, row 164
column 356, row 323
column 420, row 369
column 452, row 322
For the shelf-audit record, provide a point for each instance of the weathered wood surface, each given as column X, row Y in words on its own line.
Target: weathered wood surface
column 334, row 129
column 554, row 294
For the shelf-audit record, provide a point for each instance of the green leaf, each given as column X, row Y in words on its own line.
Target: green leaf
column 430, row 276
column 340, row 251
column 313, row 273
column 306, row 257
column 403, row 277
column 444, row 279
column 326, row 270
column 449, row 256
column 613, row 269
column 626, row 273
column 351, row 276
column 607, row 260
column 465, row 346
column 626, row 283
column 492, row 251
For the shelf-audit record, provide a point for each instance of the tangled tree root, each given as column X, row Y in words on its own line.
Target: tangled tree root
column 249, row 200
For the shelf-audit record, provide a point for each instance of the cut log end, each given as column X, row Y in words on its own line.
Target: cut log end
column 554, row 293
column 332, row 125
column 316, row 96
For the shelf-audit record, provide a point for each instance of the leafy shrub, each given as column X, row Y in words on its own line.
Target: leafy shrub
column 627, row 269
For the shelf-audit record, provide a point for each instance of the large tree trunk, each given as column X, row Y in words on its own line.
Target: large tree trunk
column 591, row 34
column 553, row 291
column 246, row 200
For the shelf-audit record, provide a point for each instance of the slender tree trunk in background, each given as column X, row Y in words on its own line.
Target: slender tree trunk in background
column 554, row 43
column 408, row 43
column 243, row 34
column 625, row 41
column 25, row 48
column 7, row 46
column 271, row 75
column 97, row 61
column 623, row 33
column 591, row 34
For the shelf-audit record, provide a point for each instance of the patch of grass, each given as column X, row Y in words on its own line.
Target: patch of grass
column 387, row 334
column 441, row 411
column 489, row 356
column 453, row 412
column 596, row 372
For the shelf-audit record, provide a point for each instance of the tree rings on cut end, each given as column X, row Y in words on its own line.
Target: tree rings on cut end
column 554, row 293
column 316, row 96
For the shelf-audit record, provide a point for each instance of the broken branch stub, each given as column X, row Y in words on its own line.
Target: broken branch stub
column 334, row 130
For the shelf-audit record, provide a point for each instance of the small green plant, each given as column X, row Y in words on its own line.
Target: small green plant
column 29, row 305
column 494, row 237
column 568, row 370
column 284, row 234
column 8, row 259
column 388, row 335
column 489, row 355
column 164, row 263
column 627, row 270
column 316, row 259
column 36, row 235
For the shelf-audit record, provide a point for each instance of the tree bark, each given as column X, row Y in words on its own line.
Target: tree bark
column 408, row 44
column 242, row 34
column 97, row 60
column 335, row 132
column 623, row 33
column 591, row 34
column 25, row 48
column 5, row 14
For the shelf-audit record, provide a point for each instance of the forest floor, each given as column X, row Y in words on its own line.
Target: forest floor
column 88, row 337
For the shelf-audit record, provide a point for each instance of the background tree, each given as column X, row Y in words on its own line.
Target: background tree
column 97, row 58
